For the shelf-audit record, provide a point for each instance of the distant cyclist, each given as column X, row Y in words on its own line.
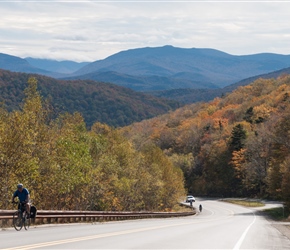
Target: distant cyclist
column 200, row 208
column 23, row 196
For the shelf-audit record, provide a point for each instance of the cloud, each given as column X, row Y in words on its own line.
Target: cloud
column 75, row 38
column 91, row 30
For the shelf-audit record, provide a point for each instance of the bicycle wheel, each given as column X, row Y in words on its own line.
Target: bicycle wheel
column 26, row 222
column 17, row 221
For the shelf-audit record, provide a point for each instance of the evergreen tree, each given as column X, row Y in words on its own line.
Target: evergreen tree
column 238, row 137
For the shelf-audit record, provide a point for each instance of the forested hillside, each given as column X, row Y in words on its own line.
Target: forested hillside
column 97, row 101
column 237, row 145
column 66, row 166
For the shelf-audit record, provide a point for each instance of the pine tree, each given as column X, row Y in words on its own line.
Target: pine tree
column 237, row 138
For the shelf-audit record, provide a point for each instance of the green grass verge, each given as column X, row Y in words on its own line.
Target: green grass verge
column 246, row 203
column 278, row 213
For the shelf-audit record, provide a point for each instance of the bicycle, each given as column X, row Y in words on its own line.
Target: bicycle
column 20, row 217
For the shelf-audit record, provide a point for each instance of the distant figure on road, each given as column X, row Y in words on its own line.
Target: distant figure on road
column 190, row 203
column 200, row 208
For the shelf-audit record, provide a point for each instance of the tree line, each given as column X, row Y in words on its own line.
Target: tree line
column 66, row 166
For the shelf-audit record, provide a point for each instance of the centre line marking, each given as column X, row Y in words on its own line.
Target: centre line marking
column 65, row 241
column 59, row 242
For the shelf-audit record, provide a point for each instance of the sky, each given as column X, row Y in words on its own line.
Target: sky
column 88, row 30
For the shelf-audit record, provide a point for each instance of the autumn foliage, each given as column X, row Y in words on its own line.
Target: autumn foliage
column 237, row 145
column 65, row 166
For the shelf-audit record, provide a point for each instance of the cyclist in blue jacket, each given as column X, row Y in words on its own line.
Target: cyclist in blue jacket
column 23, row 196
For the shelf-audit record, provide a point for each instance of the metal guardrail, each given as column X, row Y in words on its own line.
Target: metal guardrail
column 56, row 216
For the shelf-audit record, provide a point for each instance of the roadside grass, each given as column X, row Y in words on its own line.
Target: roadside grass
column 180, row 209
column 278, row 213
column 246, row 203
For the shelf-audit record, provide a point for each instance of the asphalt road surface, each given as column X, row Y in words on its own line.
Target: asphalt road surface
column 219, row 226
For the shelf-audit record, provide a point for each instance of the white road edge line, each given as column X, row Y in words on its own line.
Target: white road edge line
column 240, row 241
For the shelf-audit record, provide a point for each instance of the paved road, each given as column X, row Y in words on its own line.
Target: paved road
column 219, row 226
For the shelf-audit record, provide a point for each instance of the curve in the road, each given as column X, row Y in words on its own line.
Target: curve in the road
column 219, row 226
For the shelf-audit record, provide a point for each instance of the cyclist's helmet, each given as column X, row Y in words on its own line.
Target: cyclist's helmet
column 20, row 185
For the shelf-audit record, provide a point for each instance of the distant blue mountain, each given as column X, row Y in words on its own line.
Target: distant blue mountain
column 208, row 67
column 46, row 67
column 17, row 64
column 158, row 68
column 147, row 82
column 63, row 67
column 186, row 96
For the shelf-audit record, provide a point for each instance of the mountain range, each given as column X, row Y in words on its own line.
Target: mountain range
column 187, row 96
column 61, row 67
column 100, row 100
column 46, row 67
column 186, row 68
column 158, row 68
column 17, row 64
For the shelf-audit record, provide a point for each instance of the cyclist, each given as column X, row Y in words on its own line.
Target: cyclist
column 200, row 208
column 23, row 196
